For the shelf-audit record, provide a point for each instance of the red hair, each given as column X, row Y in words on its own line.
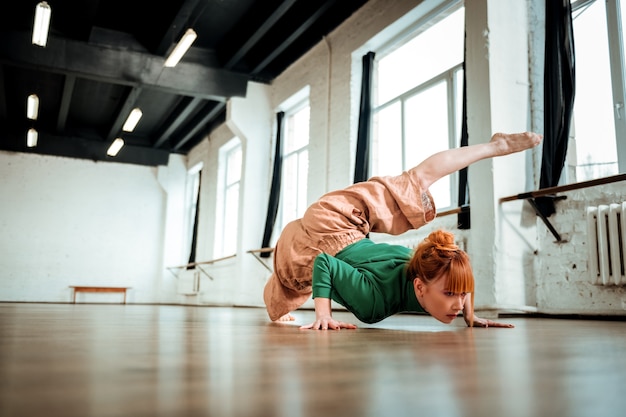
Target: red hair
column 437, row 256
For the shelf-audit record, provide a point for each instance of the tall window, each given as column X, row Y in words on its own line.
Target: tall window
column 229, row 178
column 295, row 164
column 599, row 122
column 417, row 100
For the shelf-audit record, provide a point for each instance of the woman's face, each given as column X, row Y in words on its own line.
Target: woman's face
column 437, row 301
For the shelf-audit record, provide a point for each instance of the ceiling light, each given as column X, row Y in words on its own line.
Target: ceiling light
column 180, row 48
column 32, row 107
column 31, row 138
column 133, row 119
column 115, row 147
column 42, row 23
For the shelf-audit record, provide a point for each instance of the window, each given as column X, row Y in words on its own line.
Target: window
column 417, row 100
column 229, row 177
column 599, row 121
column 293, row 200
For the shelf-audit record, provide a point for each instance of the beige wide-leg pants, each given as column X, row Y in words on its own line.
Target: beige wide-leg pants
column 392, row 204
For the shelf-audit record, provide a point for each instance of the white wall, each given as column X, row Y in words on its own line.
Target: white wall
column 74, row 222
column 175, row 245
column 563, row 277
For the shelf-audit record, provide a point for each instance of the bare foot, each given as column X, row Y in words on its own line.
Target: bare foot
column 508, row 143
column 286, row 317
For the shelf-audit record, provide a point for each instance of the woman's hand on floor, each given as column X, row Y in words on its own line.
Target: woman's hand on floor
column 326, row 323
column 478, row 322
column 324, row 318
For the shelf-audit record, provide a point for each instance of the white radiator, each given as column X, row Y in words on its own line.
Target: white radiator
column 606, row 227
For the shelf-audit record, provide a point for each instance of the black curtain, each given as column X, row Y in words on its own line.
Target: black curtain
column 463, row 218
column 272, row 207
column 194, row 236
column 362, row 163
column 559, row 91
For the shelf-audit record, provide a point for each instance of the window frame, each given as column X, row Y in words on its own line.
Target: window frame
column 448, row 76
column 301, row 197
column 222, row 206
column 617, row 69
column 616, row 60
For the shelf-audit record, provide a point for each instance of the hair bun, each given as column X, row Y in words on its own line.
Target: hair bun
column 442, row 240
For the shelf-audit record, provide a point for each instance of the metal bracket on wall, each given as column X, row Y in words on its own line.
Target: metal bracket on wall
column 196, row 265
column 545, row 220
column 257, row 253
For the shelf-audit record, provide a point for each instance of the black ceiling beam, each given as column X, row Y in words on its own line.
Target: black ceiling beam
column 199, row 124
column 122, row 67
column 123, row 113
column 176, row 121
column 179, row 24
column 81, row 148
column 259, row 33
column 293, row 37
column 3, row 96
column 66, row 98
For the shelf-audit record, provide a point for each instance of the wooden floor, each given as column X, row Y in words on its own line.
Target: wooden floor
column 141, row 360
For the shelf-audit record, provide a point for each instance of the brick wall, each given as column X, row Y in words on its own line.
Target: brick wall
column 563, row 282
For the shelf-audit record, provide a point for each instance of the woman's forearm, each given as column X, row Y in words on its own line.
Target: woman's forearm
column 322, row 307
column 468, row 310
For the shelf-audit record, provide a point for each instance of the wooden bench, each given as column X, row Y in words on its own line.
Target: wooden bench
column 82, row 288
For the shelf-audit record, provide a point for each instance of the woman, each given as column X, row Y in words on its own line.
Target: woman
column 325, row 254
